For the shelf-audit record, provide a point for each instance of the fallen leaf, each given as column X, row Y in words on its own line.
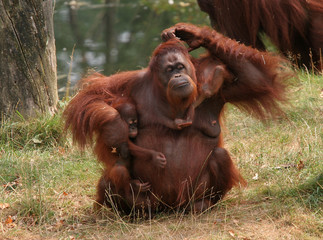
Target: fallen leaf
column 231, row 233
column 4, row 205
column 255, row 177
column 300, row 165
column 8, row 220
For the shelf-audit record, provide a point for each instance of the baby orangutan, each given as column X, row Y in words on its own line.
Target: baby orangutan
column 117, row 172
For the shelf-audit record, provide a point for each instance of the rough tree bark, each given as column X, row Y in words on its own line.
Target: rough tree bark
column 28, row 78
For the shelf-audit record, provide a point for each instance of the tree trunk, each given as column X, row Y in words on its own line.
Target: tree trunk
column 28, row 80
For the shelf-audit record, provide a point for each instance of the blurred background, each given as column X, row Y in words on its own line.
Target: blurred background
column 113, row 35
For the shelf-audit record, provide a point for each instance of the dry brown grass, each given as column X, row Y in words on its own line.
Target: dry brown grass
column 48, row 190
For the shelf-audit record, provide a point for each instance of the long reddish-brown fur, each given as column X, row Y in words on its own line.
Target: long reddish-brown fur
column 259, row 78
column 294, row 26
column 197, row 168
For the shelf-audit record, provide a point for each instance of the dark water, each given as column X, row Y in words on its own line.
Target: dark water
column 110, row 35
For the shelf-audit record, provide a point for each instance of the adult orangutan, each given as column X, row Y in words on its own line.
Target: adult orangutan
column 199, row 171
column 294, row 26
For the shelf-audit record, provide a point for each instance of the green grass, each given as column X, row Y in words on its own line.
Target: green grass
column 48, row 185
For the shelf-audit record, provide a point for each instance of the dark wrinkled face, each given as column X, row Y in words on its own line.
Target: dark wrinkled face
column 175, row 74
column 129, row 114
column 133, row 127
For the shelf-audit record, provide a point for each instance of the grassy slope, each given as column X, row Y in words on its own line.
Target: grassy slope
column 47, row 186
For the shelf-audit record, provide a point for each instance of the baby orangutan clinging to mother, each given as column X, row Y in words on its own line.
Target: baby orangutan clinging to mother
column 114, row 147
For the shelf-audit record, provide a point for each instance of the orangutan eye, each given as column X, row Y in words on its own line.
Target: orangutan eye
column 180, row 66
column 169, row 69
